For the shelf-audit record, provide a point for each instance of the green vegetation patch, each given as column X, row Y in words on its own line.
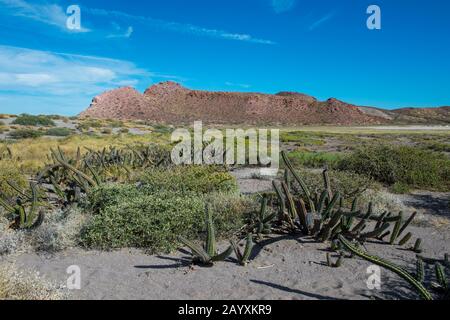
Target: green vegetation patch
column 25, row 134
column 59, row 132
column 10, row 171
column 198, row 179
column 414, row 167
column 30, row 120
column 315, row 159
column 132, row 216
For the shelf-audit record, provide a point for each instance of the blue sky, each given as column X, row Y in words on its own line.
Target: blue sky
column 319, row 47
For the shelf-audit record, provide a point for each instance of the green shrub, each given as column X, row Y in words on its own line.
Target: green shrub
column 59, row 132
column 198, row 179
column 401, row 164
column 25, row 134
column 315, row 159
column 29, row 120
column 128, row 216
column 400, row 188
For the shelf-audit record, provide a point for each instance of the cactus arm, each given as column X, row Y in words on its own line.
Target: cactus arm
column 248, row 249
column 331, row 205
column 280, row 198
column 405, row 239
column 196, row 250
column 420, row 270
column 327, row 184
column 74, row 170
column 396, row 231
column 290, row 200
column 6, row 205
column 299, row 180
column 222, row 256
column 440, row 276
column 388, row 265
column 211, row 235
column 237, row 251
column 407, row 223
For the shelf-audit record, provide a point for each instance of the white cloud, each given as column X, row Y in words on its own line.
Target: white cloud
column 240, row 85
column 321, row 21
column 280, row 6
column 35, row 71
column 126, row 34
column 55, row 15
column 176, row 27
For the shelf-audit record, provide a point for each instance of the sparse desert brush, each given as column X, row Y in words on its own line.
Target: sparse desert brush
column 348, row 184
column 10, row 170
column 59, row 231
column 4, row 116
column 192, row 178
column 11, row 241
column 414, row 167
column 59, row 132
column 302, row 138
column 30, row 120
column 383, row 201
column 20, row 285
column 25, row 134
column 106, row 131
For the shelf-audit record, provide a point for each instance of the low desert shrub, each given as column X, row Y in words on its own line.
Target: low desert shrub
column 411, row 166
column 30, row 120
column 60, row 230
column 106, row 131
column 198, row 179
column 126, row 215
column 25, row 134
column 315, row 159
column 20, row 285
column 58, row 132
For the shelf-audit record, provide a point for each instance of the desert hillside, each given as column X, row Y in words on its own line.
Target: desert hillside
column 170, row 102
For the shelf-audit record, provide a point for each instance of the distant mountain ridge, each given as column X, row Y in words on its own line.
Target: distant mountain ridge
column 170, row 102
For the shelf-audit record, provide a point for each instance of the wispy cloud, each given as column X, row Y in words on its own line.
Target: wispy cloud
column 50, row 14
column 176, row 27
column 50, row 82
column 120, row 33
column 321, row 21
column 55, row 15
column 240, row 85
column 51, row 73
column 280, row 6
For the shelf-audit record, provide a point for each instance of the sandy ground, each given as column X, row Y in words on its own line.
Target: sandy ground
column 286, row 268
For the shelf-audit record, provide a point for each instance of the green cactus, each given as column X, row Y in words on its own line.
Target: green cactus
column 243, row 257
column 207, row 255
column 396, row 231
column 25, row 216
column 390, row 266
column 405, row 239
column 420, row 270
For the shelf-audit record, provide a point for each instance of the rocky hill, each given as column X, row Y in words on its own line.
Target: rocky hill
column 170, row 102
